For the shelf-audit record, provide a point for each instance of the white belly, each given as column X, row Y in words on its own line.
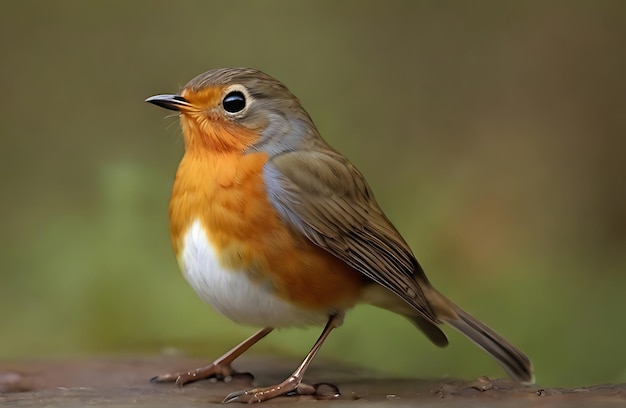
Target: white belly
column 232, row 293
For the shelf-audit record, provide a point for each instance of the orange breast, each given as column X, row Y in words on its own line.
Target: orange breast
column 226, row 192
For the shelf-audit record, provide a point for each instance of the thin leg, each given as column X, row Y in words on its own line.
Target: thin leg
column 293, row 383
column 219, row 368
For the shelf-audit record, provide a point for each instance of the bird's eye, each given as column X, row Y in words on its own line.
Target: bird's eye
column 234, row 102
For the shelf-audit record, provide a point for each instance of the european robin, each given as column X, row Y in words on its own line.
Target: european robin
column 274, row 228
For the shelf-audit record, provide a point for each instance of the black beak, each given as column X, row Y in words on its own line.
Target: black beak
column 171, row 102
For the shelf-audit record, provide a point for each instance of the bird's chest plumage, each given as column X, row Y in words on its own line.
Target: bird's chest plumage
column 240, row 257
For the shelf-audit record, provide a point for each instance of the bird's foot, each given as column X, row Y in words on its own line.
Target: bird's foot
column 291, row 386
column 218, row 371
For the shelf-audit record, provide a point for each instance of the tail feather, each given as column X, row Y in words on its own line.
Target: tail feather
column 430, row 330
column 516, row 363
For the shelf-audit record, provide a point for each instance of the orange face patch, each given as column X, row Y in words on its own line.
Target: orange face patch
column 204, row 98
column 206, row 127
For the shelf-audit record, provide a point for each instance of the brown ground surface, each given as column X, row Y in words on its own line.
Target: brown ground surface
column 122, row 382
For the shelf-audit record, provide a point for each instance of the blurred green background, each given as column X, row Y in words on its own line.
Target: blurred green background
column 493, row 132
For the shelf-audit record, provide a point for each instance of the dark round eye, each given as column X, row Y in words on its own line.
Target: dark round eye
column 234, row 102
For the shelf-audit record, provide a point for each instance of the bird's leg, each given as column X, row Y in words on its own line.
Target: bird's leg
column 293, row 384
column 220, row 368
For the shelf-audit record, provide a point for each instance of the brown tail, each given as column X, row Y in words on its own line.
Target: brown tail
column 508, row 356
column 516, row 364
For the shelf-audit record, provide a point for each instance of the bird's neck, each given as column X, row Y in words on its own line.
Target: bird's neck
column 204, row 135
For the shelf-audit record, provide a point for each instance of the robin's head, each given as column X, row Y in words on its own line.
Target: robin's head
column 239, row 109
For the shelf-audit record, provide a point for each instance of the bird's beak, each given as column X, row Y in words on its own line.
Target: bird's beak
column 171, row 102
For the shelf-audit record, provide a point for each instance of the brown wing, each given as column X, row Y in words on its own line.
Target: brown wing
column 324, row 197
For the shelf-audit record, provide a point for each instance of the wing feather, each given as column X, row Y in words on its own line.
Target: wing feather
column 323, row 196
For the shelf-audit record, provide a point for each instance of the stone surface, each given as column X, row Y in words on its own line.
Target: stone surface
column 119, row 382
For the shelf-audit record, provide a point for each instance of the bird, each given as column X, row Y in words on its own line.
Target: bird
column 275, row 228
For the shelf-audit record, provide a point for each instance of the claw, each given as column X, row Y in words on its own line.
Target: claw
column 321, row 391
column 219, row 372
column 234, row 397
column 254, row 395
